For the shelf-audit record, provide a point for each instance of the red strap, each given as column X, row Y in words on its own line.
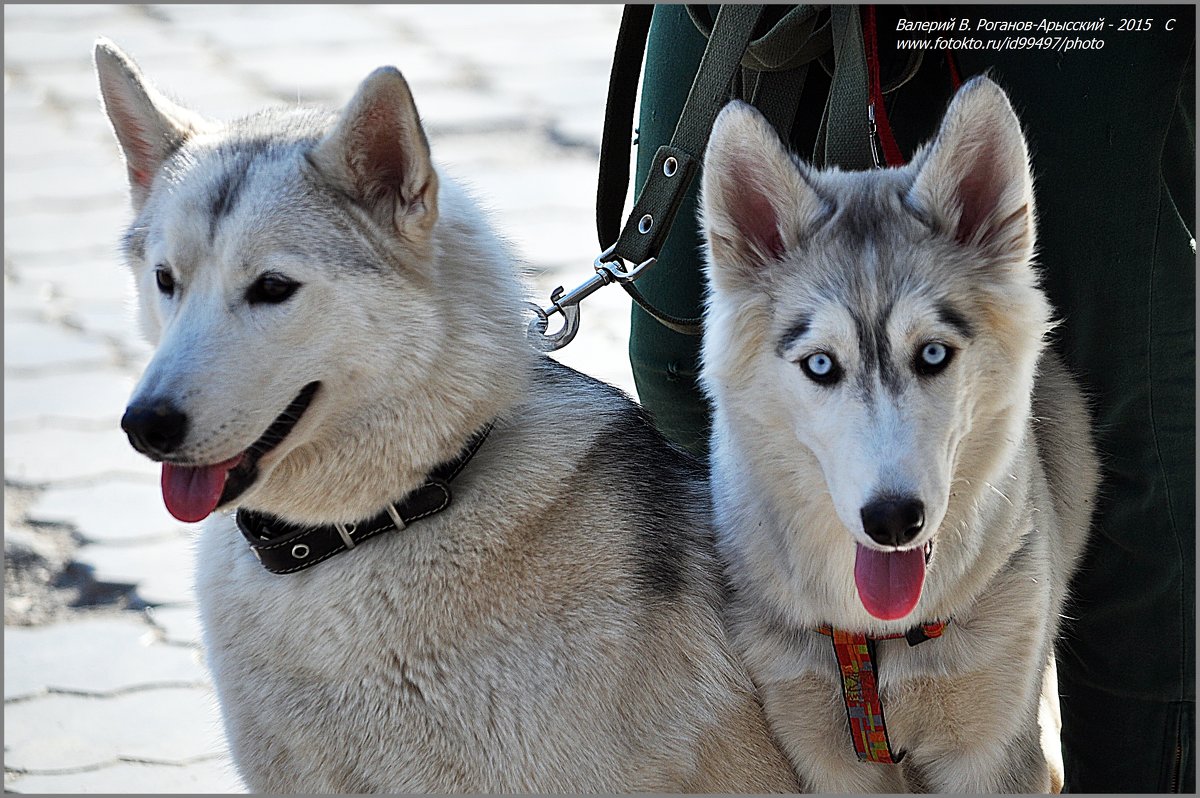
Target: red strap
column 855, row 654
column 953, row 69
column 891, row 150
column 856, row 661
column 915, row 635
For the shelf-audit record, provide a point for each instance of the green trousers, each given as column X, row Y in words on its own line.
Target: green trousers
column 1112, row 135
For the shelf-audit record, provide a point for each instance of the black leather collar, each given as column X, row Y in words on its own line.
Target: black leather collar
column 285, row 548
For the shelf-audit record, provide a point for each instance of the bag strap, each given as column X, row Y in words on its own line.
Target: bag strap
column 791, row 42
column 616, row 143
column 844, row 138
column 772, row 70
column 676, row 163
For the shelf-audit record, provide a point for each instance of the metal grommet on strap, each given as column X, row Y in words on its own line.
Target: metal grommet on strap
column 300, row 551
column 670, row 167
column 645, row 224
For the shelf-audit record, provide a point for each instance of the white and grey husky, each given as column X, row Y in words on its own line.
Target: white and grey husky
column 339, row 348
column 893, row 448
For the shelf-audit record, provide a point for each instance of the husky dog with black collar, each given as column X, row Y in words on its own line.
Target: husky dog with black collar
column 895, row 452
column 339, row 349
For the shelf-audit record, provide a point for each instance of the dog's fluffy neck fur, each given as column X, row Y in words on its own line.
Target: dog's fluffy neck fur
column 404, row 432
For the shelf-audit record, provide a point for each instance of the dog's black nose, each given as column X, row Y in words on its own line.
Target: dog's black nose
column 893, row 520
column 155, row 428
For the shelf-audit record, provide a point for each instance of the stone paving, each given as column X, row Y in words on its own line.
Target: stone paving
column 104, row 685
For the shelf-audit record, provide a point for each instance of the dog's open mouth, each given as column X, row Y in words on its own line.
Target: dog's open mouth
column 889, row 583
column 191, row 493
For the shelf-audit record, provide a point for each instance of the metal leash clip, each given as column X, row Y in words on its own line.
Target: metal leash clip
column 873, row 136
column 607, row 271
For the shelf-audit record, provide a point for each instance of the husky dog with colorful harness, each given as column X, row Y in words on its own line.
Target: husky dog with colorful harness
column 902, row 471
column 340, row 348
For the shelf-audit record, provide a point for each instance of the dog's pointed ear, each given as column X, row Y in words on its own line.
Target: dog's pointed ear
column 149, row 127
column 378, row 155
column 974, row 180
column 756, row 203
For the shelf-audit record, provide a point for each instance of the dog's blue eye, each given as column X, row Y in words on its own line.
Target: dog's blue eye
column 271, row 289
column 932, row 358
column 821, row 367
column 164, row 281
column 820, row 364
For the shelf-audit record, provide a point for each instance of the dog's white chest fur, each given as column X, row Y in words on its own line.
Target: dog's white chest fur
column 382, row 669
column 324, row 676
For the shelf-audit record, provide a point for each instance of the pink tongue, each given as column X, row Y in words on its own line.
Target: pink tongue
column 192, row 493
column 889, row 582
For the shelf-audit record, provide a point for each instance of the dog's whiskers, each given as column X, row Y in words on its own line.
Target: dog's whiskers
column 1000, row 493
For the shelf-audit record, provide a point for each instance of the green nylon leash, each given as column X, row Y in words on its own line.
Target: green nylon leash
column 675, row 164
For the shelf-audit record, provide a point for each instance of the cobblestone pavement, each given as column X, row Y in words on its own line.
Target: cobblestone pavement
column 104, row 687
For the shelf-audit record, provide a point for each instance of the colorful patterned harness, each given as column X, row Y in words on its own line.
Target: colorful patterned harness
column 864, row 711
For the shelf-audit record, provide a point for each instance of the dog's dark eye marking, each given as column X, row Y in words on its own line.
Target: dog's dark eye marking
column 952, row 318
column 822, row 368
column 932, row 358
column 164, row 280
column 793, row 334
column 271, row 288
